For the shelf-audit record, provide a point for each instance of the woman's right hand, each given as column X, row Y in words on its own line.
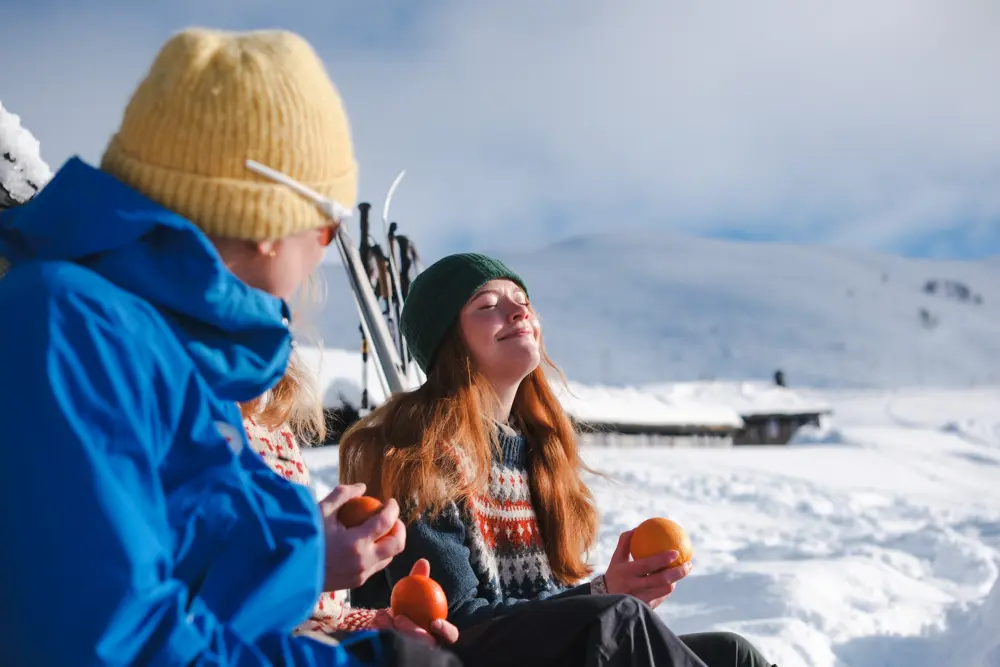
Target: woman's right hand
column 442, row 632
column 648, row 579
column 355, row 554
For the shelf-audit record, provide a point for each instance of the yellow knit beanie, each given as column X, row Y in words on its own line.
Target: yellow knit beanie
column 213, row 100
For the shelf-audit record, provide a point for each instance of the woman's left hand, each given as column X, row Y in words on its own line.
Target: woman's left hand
column 648, row 579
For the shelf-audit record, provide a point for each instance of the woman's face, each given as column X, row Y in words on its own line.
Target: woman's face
column 278, row 267
column 295, row 258
column 502, row 332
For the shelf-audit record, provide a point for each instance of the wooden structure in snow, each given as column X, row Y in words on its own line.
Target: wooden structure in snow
column 771, row 414
column 774, row 429
column 627, row 416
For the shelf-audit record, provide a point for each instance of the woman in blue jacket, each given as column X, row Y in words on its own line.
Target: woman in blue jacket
column 141, row 303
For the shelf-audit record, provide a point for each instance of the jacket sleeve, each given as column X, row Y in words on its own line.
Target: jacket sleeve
column 442, row 541
column 86, row 567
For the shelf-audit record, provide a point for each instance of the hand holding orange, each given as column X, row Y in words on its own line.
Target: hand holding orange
column 356, row 511
column 419, row 598
column 658, row 535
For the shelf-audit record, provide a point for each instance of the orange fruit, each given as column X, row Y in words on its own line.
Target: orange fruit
column 420, row 599
column 358, row 510
column 657, row 535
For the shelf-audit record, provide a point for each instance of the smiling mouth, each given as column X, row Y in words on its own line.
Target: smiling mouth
column 517, row 334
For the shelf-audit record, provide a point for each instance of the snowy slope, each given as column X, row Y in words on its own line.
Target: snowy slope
column 873, row 543
column 651, row 308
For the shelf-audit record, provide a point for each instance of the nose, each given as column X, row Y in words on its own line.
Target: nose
column 518, row 312
column 328, row 233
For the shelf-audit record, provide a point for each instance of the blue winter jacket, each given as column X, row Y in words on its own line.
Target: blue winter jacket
column 138, row 527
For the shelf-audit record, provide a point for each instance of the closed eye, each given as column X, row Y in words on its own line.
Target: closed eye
column 485, row 300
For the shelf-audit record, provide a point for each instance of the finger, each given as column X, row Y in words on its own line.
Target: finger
column 381, row 522
column 657, row 602
column 644, row 566
column 656, row 593
column 621, row 554
column 392, row 544
column 405, row 624
column 447, row 632
column 383, row 621
column 377, row 567
column 408, row 627
column 662, row 578
column 421, row 568
column 340, row 495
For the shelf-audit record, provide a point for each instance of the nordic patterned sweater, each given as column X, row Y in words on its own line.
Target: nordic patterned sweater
column 487, row 555
column 281, row 452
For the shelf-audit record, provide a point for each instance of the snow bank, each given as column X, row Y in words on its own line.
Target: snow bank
column 977, row 644
column 22, row 170
column 969, row 418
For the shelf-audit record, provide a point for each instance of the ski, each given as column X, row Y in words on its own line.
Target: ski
column 397, row 297
column 365, row 253
column 408, row 268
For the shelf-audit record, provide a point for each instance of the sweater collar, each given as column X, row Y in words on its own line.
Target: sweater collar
column 513, row 448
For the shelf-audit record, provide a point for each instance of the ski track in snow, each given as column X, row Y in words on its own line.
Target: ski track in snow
column 873, row 542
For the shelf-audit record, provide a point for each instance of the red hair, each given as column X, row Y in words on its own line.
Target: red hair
column 433, row 446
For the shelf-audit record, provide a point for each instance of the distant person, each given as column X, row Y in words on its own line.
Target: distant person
column 497, row 503
column 779, row 378
column 144, row 300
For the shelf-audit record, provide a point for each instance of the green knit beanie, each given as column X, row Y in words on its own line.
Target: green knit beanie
column 439, row 293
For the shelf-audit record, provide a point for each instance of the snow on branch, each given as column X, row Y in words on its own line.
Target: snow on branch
column 22, row 170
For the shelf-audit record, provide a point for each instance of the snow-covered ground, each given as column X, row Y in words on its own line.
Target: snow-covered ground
column 872, row 541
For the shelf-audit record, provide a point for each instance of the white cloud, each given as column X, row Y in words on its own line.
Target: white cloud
column 867, row 123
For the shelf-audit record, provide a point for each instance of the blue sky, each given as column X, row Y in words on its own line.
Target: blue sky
column 857, row 123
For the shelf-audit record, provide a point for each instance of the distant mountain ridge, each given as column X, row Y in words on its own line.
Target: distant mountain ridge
column 636, row 308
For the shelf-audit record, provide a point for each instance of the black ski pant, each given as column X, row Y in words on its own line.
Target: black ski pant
column 579, row 631
column 589, row 631
column 725, row 649
column 391, row 649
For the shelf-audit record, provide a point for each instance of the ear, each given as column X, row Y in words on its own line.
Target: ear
column 266, row 248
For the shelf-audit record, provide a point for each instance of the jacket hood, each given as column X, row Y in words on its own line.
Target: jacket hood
column 237, row 335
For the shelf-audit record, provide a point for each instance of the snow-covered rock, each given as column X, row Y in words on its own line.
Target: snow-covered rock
column 23, row 172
